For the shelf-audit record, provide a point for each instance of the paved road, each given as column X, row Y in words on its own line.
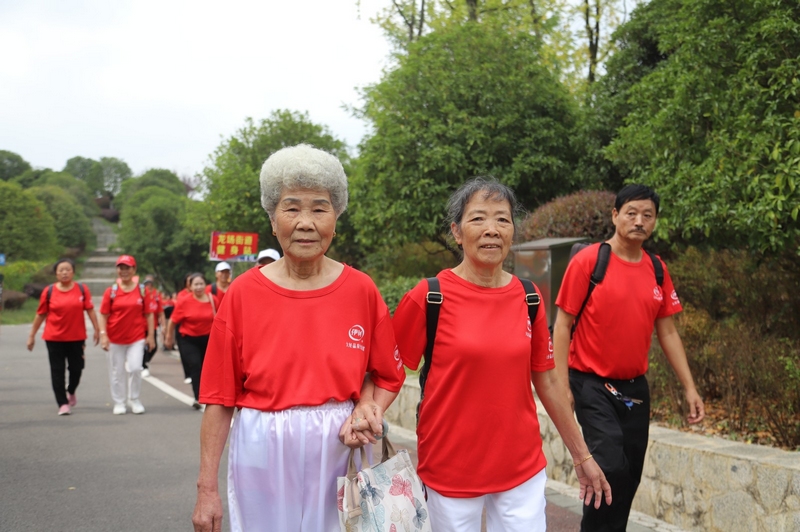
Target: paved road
column 93, row 471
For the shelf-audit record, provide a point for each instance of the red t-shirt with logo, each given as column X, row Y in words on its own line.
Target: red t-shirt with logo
column 126, row 312
column 65, row 321
column 272, row 348
column 195, row 317
column 613, row 336
column 478, row 431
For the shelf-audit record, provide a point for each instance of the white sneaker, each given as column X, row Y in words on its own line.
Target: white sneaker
column 187, row 380
column 119, row 409
column 145, row 372
column 136, row 406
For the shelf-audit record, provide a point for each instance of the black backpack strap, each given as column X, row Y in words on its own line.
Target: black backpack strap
column 214, row 289
column 657, row 267
column 599, row 273
column 433, row 301
column 49, row 295
column 532, row 299
column 83, row 289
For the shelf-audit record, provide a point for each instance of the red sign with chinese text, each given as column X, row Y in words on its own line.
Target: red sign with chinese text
column 233, row 247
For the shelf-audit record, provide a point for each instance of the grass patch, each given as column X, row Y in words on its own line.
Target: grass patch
column 21, row 315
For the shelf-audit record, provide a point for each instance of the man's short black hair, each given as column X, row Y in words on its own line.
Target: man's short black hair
column 636, row 192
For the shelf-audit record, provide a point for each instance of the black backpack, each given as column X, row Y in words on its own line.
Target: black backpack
column 434, row 299
column 599, row 273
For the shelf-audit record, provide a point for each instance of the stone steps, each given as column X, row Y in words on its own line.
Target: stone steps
column 100, row 270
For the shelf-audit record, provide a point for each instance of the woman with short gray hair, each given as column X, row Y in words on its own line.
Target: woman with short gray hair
column 289, row 349
column 478, row 434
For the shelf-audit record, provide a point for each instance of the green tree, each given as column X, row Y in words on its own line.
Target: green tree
column 637, row 54
column 30, row 177
column 27, row 230
column 73, row 229
column 115, row 172
column 716, row 126
column 155, row 177
column 468, row 101
column 156, row 233
column 74, row 187
column 89, row 171
column 231, row 181
column 11, row 165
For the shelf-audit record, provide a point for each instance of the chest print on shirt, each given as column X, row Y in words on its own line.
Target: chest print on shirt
column 356, row 334
column 657, row 295
column 674, row 297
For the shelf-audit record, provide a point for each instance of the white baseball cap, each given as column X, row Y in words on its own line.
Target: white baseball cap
column 268, row 253
column 222, row 266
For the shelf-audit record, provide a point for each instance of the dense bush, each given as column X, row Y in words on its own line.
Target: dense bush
column 19, row 273
column 740, row 332
column 73, row 228
column 409, row 260
column 393, row 290
column 585, row 213
column 155, row 177
column 27, row 230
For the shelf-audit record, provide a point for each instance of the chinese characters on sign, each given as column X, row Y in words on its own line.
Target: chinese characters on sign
column 233, row 247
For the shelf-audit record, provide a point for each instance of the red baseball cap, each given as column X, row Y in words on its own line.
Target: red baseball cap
column 126, row 260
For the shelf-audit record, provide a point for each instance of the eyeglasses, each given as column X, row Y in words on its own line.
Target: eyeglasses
column 629, row 401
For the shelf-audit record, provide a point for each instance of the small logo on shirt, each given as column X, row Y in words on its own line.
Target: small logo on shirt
column 674, row 297
column 80, row 298
column 549, row 348
column 528, row 331
column 397, row 357
column 657, row 295
column 356, row 333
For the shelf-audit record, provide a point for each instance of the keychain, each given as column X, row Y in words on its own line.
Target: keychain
column 629, row 401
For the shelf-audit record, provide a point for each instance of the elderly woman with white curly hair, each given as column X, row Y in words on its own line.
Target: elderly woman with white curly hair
column 303, row 349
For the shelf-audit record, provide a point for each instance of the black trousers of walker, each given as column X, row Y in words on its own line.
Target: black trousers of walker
column 61, row 354
column 617, row 438
column 193, row 351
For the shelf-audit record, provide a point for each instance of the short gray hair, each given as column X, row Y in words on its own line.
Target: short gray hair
column 302, row 166
column 490, row 187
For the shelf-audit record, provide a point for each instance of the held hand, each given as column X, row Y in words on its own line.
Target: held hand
column 31, row 342
column 207, row 515
column 104, row 342
column 351, row 436
column 370, row 417
column 697, row 410
column 96, row 337
column 150, row 341
column 593, row 483
column 168, row 343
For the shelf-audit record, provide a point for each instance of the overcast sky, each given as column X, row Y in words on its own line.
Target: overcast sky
column 159, row 83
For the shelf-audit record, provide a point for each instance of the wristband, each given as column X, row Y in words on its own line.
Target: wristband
column 102, row 332
column 576, row 464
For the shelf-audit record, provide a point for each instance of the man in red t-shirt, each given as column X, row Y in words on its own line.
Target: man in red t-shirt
column 606, row 358
column 222, row 276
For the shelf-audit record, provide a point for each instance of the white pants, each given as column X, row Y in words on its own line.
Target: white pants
column 282, row 468
column 125, row 367
column 520, row 509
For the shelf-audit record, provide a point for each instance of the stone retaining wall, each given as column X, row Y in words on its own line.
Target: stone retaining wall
column 698, row 483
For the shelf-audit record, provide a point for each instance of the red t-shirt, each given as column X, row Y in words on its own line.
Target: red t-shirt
column 478, row 431
column 220, row 295
column 126, row 315
column 154, row 299
column 195, row 317
column 272, row 348
column 65, row 321
column 613, row 336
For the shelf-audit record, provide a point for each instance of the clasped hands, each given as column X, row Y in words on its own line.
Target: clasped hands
column 364, row 425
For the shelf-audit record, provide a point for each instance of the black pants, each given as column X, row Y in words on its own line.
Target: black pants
column 61, row 354
column 193, row 351
column 617, row 438
column 179, row 341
